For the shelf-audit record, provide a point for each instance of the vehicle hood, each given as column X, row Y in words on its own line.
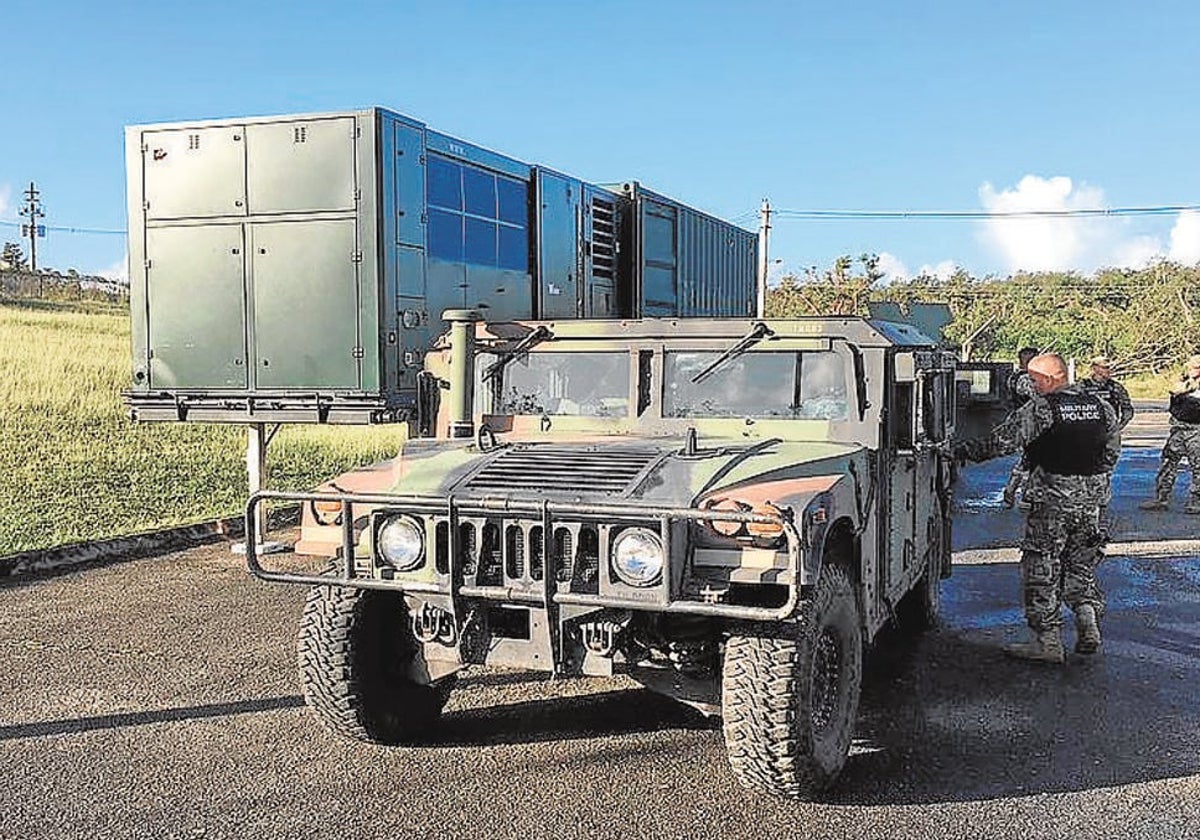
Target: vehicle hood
column 658, row 472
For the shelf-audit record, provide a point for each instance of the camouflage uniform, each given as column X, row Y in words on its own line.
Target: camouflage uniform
column 1113, row 393
column 1020, row 391
column 1062, row 544
column 1183, row 441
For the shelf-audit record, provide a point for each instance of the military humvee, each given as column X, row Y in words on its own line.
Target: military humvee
column 727, row 510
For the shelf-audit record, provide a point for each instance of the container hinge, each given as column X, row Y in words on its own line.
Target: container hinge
column 358, row 195
column 424, row 218
column 421, row 160
column 356, row 257
column 357, row 353
column 146, row 264
column 146, row 204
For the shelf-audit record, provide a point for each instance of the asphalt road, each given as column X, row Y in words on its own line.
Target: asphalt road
column 157, row 698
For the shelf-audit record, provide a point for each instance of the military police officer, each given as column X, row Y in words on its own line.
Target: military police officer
column 1070, row 440
column 1183, row 441
column 1020, row 390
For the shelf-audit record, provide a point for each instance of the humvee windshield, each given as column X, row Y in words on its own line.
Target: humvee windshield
column 808, row 385
column 577, row 384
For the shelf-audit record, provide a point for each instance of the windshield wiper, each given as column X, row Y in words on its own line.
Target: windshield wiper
column 539, row 335
column 747, row 341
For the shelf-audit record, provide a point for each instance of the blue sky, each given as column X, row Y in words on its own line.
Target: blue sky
column 870, row 105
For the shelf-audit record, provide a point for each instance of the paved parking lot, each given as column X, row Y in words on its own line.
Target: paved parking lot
column 157, row 698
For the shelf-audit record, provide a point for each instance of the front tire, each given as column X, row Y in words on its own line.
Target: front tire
column 355, row 650
column 789, row 701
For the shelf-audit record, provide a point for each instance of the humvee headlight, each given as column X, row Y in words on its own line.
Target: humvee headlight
column 401, row 543
column 637, row 557
column 766, row 530
column 327, row 512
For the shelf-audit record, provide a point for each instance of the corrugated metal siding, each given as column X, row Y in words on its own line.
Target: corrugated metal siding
column 716, row 266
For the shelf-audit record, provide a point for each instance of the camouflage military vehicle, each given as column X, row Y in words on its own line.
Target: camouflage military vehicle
column 727, row 510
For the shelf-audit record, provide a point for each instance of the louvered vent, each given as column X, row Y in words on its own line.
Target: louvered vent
column 604, row 238
column 563, row 469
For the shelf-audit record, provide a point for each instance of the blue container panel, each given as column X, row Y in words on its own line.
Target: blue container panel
column 717, row 266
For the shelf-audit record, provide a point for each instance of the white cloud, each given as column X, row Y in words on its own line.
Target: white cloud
column 118, row 272
column 5, row 197
column 1185, row 238
column 1043, row 243
column 1138, row 252
column 893, row 268
column 942, row 271
column 1080, row 243
column 895, row 271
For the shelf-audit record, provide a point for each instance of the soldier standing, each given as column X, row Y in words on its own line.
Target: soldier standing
column 1070, row 441
column 1183, row 441
column 1102, row 385
column 1020, row 390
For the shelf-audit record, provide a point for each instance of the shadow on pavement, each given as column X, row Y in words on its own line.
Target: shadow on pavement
column 949, row 718
column 621, row 712
column 88, row 724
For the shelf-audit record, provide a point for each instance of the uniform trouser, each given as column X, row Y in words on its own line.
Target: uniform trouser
column 1183, row 441
column 1017, row 479
column 1060, row 552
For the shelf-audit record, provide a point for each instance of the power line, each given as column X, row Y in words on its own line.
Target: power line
column 62, row 229
column 843, row 215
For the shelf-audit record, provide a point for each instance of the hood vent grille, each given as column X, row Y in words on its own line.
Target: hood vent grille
column 564, row 469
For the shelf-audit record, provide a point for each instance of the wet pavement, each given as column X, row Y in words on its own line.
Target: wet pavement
column 157, row 698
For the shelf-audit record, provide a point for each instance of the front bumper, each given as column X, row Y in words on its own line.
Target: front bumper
column 450, row 577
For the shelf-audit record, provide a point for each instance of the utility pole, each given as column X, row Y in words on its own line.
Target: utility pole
column 764, row 231
column 33, row 209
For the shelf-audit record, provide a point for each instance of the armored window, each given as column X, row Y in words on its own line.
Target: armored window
column 810, row 386
column 491, row 213
column 479, row 192
column 514, row 248
column 445, row 235
column 481, row 241
column 443, row 183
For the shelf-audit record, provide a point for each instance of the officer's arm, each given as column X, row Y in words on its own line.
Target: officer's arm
column 1112, row 447
column 1124, row 406
column 1016, row 432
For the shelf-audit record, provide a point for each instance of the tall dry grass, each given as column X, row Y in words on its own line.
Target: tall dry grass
column 74, row 468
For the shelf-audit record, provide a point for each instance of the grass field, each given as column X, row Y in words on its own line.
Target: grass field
column 74, row 468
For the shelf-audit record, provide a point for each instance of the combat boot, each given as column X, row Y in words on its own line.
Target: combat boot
column 1153, row 504
column 1087, row 630
column 1046, row 646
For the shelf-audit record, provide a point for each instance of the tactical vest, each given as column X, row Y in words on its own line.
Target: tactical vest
column 1075, row 444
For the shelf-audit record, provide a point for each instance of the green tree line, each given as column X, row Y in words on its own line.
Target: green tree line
column 1144, row 319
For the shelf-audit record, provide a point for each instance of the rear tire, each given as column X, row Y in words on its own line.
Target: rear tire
column 789, row 701
column 354, row 652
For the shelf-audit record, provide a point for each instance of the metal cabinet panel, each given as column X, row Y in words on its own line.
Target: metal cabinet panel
column 194, row 172
column 306, row 331
column 409, row 175
column 301, row 165
column 196, row 301
column 558, row 237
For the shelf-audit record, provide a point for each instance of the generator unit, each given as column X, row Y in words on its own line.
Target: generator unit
column 296, row 268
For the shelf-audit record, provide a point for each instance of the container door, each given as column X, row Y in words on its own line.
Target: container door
column 196, row 300
column 559, row 289
column 302, row 165
column 659, row 265
column 410, row 186
column 305, row 278
column 195, row 172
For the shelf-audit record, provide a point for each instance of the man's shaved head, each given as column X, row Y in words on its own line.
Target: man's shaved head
column 1049, row 372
